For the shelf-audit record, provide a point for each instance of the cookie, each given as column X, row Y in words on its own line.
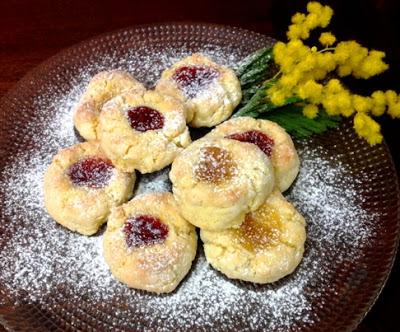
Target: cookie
column 81, row 185
column 217, row 181
column 209, row 91
column 266, row 247
column 148, row 245
column 143, row 130
column 271, row 138
column 101, row 88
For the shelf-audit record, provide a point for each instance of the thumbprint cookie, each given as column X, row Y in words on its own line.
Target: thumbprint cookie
column 143, row 130
column 266, row 247
column 102, row 87
column 81, row 185
column 271, row 138
column 217, row 181
column 148, row 245
column 209, row 91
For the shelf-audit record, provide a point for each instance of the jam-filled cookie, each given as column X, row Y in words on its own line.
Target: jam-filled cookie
column 266, row 247
column 81, row 185
column 148, row 245
column 217, row 181
column 101, row 88
column 143, row 130
column 210, row 91
column 271, row 138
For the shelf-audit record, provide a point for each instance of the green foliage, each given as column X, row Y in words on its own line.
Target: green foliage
column 253, row 71
column 253, row 74
column 292, row 119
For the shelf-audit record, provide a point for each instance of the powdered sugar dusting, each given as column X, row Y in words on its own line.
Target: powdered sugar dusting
column 154, row 182
column 194, row 79
column 326, row 189
column 44, row 263
column 215, row 165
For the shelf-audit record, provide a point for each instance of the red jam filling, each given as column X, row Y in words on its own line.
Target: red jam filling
column 264, row 142
column 92, row 172
column 193, row 79
column 144, row 230
column 144, row 118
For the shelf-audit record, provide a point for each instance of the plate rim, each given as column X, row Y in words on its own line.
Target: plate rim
column 32, row 74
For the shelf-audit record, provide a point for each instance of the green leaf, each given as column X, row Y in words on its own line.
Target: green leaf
column 259, row 103
column 251, row 106
column 256, row 59
column 292, row 119
column 253, row 71
column 253, row 74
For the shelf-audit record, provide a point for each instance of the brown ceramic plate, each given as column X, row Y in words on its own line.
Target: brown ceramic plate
column 52, row 279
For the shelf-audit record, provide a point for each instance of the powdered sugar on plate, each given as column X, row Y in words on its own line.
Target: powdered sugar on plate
column 44, row 264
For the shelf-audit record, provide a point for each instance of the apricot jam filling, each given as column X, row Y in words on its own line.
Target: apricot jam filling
column 260, row 230
column 215, row 165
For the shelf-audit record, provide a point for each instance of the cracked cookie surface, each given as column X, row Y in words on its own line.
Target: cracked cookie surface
column 148, row 245
column 143, row 130
column 217, row 181
column 101, row 88
column 281, row 149
column 81, row 186
column 209, row 91
column 266, row 247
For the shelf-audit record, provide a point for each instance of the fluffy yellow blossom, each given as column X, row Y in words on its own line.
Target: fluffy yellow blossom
column 393, row 102
column 312, row 21
column 318, row 16
column 391, row 97
column 314, row 7
column 362, row 104
column 325, row 16
column 331, row 105
column 297, row 31
column 342, row 53
column 310, row 111
column 276, row 95
column 296, row 48
column 287, row 64
column 319, row 73
column 279, row 51
column 298, row 18
column 379, row 103
column 311, row 91
column 327, row 39
column 344, row 103
column 353, row 59
column 308, row 73
column 394, row 110
column 371, row 65
column 334, row 86
column 289, row 81
column 293, row 54
column 350, row 52
column 324, row 13
column 357, row 57
column 307, row 63
column 344, row 70
column 367, row 128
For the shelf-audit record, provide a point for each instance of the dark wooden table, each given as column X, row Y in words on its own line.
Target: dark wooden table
column 31, row 31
